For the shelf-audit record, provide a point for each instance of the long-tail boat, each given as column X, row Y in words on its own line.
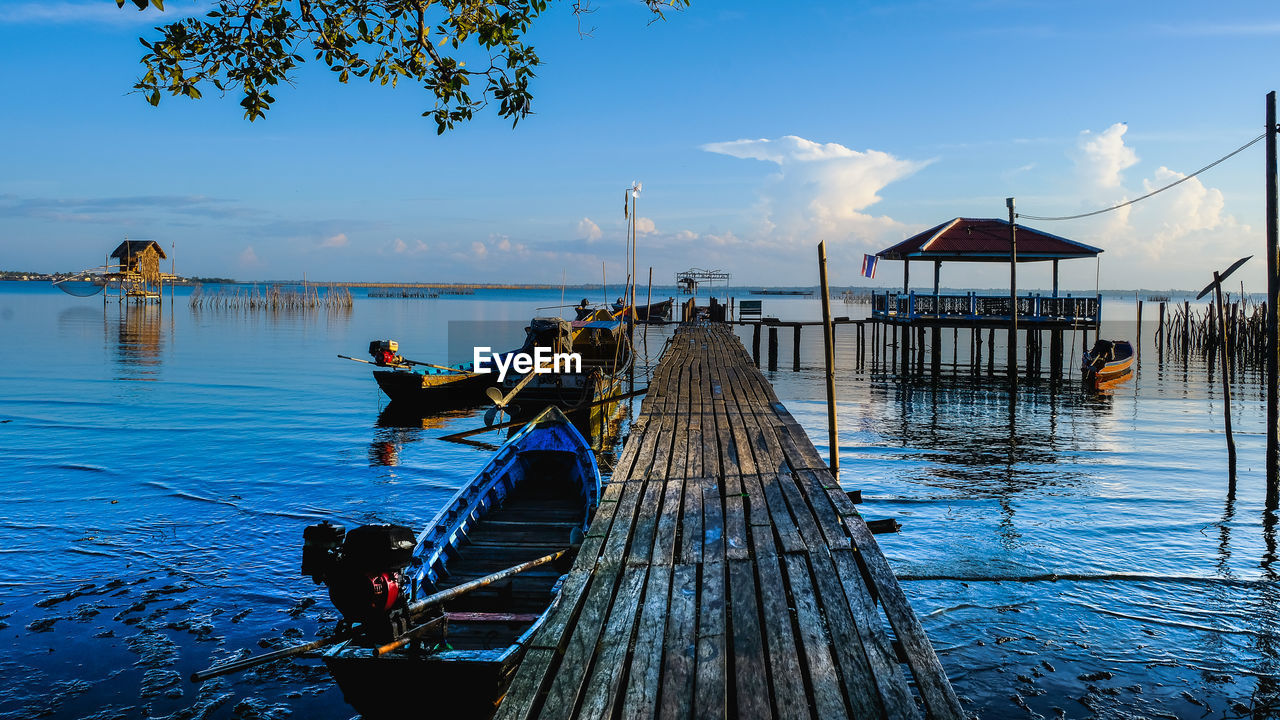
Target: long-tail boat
column 446, row 618
column 424, row 386
column 600, row 340
column 1109, row 361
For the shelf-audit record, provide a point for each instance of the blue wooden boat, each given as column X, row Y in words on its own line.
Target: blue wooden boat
column 534, row 497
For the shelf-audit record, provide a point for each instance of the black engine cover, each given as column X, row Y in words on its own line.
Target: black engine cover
column 378, row 548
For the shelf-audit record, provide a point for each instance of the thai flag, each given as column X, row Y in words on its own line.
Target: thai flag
column 869, row 265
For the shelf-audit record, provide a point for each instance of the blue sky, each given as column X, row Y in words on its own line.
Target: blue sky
column 756, row 131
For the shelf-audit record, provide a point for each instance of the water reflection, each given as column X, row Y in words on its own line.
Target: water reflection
column 399, row 426
column 139, row 340
column 974, row 441
column 1267, row 644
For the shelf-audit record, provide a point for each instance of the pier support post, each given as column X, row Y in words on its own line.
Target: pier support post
column 1160, row 335
column 795, row 349
column 920, row 351
column 755, row 343
column 1138, row 343
column 1055, row 353
column 991, row 351
column 893, row 352
column 977, row 351
column 1186, row 330
column 906, row 349
column 935, row 364
column 773, row 347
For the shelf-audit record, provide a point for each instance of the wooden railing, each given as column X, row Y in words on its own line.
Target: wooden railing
column 1031, row 308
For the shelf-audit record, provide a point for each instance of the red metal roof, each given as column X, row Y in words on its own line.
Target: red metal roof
column 984, row 240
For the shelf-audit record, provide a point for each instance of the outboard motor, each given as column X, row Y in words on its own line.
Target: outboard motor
column 364, row 572
column 385, row 352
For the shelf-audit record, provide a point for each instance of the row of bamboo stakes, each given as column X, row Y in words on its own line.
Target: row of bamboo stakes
column 1186, row 332
column 273, row 298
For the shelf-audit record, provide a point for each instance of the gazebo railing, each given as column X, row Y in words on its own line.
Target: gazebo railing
column 1031, row 308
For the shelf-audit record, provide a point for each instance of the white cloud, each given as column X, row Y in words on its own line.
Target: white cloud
column 400, row 247
column 588, row 230
column 821, row 190
column 335, row 241
column 478, row 250
column 1103, row 157
column 248, row 259
column 1174, row 238
column 645, row 226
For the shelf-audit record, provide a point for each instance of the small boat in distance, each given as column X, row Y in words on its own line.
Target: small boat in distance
column 533, row 499
column 1109, row 361
column 766, row 291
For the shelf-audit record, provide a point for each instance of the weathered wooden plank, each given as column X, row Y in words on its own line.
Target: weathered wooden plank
column 640, row 699
column 566, row 685
column 666, row 534
column 819, row 666
column 788, row 534
column 680, row 649
column 809, row 483
column 711, row 689
column 931, row 680
column 860, row 682
column 527, row 685
column 751, row 678
column 800, row 451
column 890, row 682
column 608, row 666
column 785, row 665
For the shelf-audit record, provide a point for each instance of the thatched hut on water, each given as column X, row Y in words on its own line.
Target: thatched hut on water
column 138, row 274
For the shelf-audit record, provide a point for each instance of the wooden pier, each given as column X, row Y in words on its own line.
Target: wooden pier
column 726, row 573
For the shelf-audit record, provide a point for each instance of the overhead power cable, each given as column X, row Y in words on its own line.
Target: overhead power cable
column 1228, row 156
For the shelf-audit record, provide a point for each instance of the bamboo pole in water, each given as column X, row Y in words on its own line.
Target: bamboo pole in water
column 1226, row 384
column 827, row 341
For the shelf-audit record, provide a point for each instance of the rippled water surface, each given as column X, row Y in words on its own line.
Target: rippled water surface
column 1080, row 556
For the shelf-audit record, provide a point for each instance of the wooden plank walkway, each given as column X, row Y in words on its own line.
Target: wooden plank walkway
column 726, row 573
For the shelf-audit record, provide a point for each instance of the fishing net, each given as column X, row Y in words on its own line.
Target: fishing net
column 80, row 288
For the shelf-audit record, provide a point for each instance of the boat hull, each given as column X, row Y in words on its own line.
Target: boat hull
column 1105, row 366
column 427, row 391
column 536, row 495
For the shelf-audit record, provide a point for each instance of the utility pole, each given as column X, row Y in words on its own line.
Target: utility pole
column 1013, row 297
column 1273, row 326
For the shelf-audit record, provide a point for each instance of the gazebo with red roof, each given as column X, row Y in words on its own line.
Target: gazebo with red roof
column 984, row 240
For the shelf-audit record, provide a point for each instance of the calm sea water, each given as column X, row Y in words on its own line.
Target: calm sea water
column 1082, row 558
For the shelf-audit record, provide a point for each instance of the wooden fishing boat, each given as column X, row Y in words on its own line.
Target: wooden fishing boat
column 534, row 498
column 1109, row 361
column 433, row 388
column 659, row 312
column 600, row 340
column 424, row 387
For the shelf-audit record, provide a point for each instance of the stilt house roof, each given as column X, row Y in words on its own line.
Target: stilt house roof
column 985, row 240
column 130, row 248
